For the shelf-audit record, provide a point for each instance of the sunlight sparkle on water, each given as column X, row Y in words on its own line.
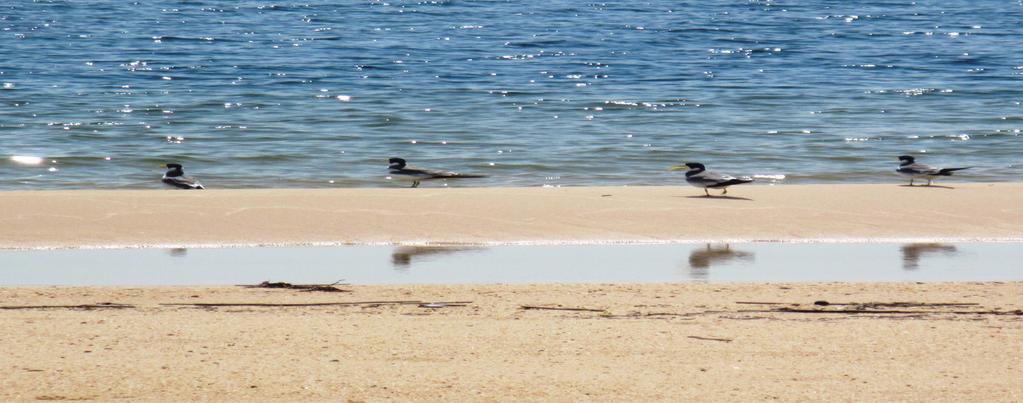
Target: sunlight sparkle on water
column 27, row 160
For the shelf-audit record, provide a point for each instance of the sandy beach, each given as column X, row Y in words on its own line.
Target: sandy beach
column 474, row 215
column 490, row 201
column 708, row 342
column 607, row 342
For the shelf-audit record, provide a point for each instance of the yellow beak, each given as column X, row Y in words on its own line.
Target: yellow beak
column 679, row 168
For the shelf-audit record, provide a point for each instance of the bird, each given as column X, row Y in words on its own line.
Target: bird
column 914, row 170
column 698, row 175
column 400, row 168
column 175, row 176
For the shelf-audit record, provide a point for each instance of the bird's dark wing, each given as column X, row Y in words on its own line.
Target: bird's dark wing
column 708, row 178
column 918, row 169
column 424, row 173
column 948, row 171
column 184, row 182
column 421, row 173
column 731, row 182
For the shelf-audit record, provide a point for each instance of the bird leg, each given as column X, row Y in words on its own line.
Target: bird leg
column 928, row 181
column 910, row 181
column 724, row 191
column 415, row 184
column 706, row 192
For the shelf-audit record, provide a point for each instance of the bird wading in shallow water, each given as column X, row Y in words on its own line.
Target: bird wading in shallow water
column 175, row 176
column 400, row 169
column 914, row 170
column 698, row 175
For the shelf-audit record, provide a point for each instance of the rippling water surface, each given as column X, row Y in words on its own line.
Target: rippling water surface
column 320, row 94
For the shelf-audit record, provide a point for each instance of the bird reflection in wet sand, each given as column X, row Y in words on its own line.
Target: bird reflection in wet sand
column 178, row 252
column 402, row 256
column 701, row 259
column 912, row 252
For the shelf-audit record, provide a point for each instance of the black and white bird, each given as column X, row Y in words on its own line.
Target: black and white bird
column 175, row 176
column 698, row 175
column 401, row 170
column 914, row 170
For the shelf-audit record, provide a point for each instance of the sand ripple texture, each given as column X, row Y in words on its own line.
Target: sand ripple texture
column 668, row 342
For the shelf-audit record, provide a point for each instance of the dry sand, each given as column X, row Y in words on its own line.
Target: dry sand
column 470, row 215
column 641, row 343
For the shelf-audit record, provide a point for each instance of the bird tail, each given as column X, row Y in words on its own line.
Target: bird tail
column 948, row 171
column 736, row 182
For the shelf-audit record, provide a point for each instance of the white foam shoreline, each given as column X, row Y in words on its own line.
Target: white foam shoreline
column 608, row 242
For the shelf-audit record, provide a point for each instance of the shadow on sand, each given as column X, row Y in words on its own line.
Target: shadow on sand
column 927, row 186
column 718, row 197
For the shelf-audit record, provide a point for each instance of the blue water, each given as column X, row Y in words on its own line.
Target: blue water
column 246, row 93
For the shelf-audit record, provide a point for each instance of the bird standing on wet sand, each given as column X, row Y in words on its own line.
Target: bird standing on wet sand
column 400, row 169
column 175, row 176
column 698, row 175
column 909, row 167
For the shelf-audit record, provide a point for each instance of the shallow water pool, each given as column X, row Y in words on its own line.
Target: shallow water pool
column 744, row 262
